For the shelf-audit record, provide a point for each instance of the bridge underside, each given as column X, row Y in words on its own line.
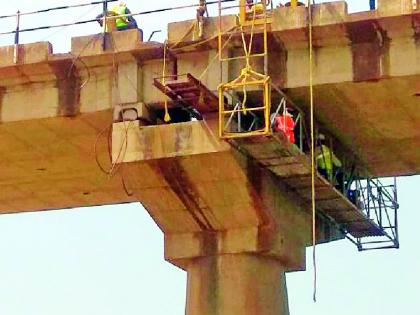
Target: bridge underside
column 243, row 209
column 53, row 106
column 50, row 164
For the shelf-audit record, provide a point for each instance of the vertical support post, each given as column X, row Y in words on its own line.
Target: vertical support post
column 219, row 8
column 236, row 284
column 265, row 39
column 368, row 197
column 380, row 203
column 242, row 12
column 105, row 6
column 396, row 213
column 16, row 46
column 239, row 119
column 293, row 3
column 104, row 13
column 301, row 133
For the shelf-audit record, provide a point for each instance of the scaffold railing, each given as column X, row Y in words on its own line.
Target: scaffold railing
column 378, row 200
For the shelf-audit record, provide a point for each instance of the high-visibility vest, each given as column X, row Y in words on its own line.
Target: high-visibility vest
column 121, row 21
column 326, row 159
column 286, row 124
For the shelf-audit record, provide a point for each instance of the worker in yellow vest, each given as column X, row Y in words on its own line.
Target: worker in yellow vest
column 118, row 23
column 326, row 160
column 124, row 22
column 257, row 7
column 294, row 4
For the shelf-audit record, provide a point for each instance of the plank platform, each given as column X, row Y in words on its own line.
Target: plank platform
column 294, row 169
column 189, row 92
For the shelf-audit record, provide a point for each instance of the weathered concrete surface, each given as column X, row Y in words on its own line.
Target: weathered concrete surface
column 236, row 284
column 232, row 225
column 50, row 164
column 373, row 116
column 227, row 222
column 366, row 75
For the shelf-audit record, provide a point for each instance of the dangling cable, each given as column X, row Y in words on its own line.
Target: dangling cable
column 311, row 96
column 167, row 117
column 247, row 51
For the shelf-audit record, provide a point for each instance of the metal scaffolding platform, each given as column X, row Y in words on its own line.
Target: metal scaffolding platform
column 189, row 92
column 288, row 163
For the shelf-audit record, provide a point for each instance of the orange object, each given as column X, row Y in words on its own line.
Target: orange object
column 285, row 124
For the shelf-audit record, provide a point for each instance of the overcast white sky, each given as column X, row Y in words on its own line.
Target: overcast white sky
column 109, row 260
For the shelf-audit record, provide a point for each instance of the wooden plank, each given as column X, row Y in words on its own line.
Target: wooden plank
column 289, row 170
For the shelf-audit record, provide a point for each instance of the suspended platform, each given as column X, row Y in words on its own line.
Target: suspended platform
column 188, row 92
column 288, row 163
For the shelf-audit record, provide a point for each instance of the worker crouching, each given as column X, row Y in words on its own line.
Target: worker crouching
column 119, row 18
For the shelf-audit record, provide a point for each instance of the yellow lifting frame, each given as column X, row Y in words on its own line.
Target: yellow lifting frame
column 247, row 78
column 255, row 17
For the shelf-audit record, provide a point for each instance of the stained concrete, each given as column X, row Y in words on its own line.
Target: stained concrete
column 228, row 222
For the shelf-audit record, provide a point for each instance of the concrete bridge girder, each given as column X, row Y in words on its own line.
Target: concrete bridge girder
column 226, row 221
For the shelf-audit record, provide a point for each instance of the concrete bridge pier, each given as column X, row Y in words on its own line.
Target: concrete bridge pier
column 236, row 284
column 229, row 223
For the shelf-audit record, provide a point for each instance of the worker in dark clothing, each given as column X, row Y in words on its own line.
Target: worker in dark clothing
column 372, row 4
column 201, row 11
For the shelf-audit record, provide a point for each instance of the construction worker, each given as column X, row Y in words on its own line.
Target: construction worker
column 201, row 10
column 118, row 23
column 124, row 22
column 292, row 3
column 257, row 7
column 328, row 164
column 285, row 123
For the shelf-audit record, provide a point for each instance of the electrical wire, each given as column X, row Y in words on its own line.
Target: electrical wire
column 95, row 20
column 60, row 29
column 313, row 196
column 57, row 8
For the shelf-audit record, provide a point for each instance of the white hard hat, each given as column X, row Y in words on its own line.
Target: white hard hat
column 321, row 136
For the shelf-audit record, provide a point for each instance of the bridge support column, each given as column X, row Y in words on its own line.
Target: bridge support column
column 233, row 284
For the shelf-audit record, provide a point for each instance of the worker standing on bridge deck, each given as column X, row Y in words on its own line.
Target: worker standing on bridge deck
column 201, row 11
column 124, row 22
column 326, row 160
column 118, row 23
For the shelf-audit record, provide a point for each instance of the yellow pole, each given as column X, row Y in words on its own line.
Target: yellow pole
column 242, row 11
column 293, row 3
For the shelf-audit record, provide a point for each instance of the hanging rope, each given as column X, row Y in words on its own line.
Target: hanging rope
column 245, row 72
column 311, row 100
column 167, row 117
